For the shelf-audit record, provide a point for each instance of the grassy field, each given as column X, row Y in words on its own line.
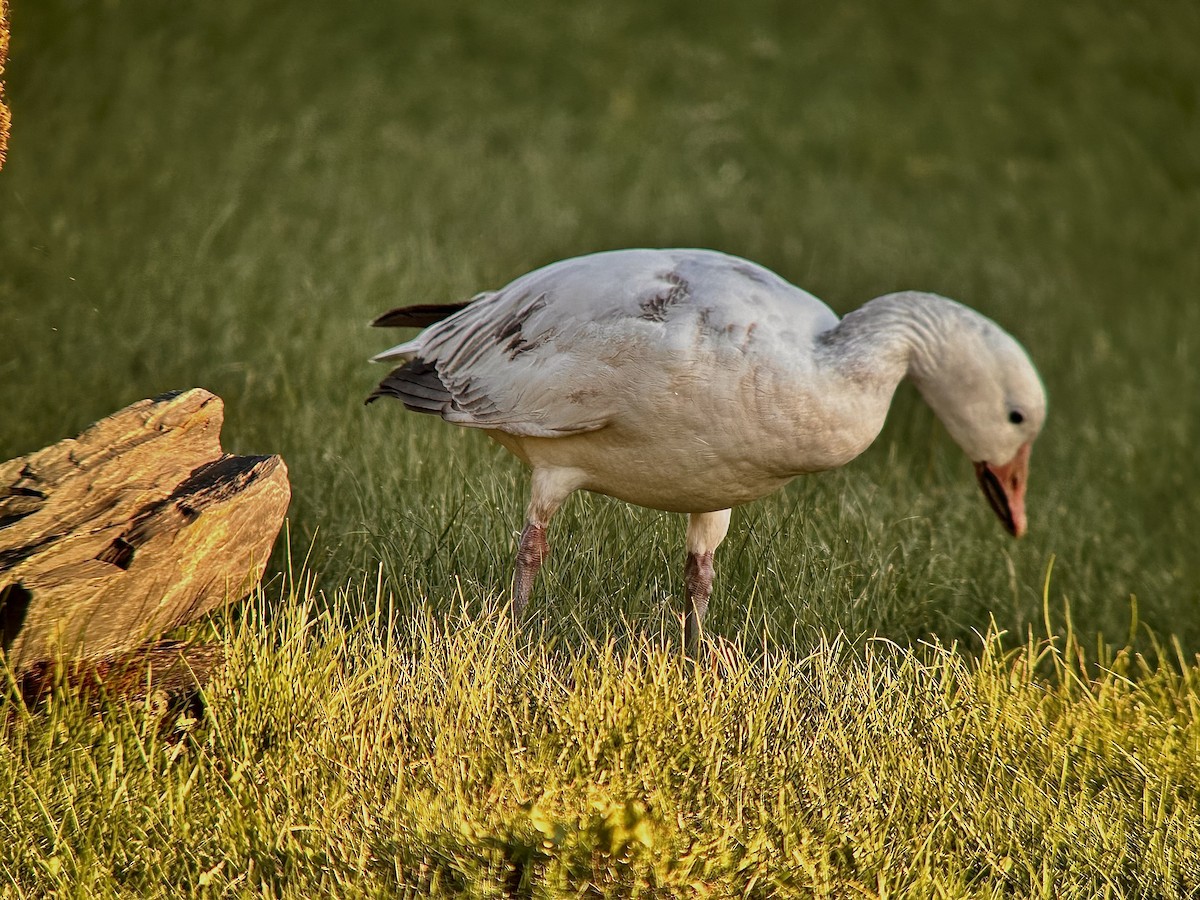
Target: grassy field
column 224, row 195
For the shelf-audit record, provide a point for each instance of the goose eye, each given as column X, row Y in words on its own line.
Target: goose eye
column 1016, row 417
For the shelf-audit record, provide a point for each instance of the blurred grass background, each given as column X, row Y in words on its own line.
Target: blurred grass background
column 223, row 195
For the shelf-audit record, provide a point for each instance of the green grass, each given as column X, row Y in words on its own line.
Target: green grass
column 223, row 196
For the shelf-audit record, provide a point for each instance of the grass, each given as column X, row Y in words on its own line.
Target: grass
column 223, row 196
column 437, row 755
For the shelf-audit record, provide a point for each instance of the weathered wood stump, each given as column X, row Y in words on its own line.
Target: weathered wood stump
column 137, row 526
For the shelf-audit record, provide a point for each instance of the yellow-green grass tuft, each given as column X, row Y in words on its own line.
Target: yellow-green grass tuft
column 445, row 755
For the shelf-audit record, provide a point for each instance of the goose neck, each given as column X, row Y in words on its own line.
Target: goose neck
column 891, row 337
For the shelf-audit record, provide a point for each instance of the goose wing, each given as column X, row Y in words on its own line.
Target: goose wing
column 572, row 347
column 501, row 363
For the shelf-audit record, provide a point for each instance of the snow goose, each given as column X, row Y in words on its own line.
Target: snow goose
column 693, row 381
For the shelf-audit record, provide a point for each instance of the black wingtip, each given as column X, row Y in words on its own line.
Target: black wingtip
column 415, row 384
column 421, row 315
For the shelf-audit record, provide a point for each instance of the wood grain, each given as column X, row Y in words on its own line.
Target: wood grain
column 138, row 525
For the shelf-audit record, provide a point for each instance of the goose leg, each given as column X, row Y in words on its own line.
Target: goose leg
column 705, row 532
column 531, row 553
column 550, row 487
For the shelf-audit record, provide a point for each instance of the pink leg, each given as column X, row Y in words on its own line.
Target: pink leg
column 531, row 553
column 697, row 579
column 705, row 532
column 549, row 488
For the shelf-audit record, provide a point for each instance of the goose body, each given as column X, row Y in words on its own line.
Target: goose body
column 692, row 381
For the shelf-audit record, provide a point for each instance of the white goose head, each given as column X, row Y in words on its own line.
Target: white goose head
column 982, row 385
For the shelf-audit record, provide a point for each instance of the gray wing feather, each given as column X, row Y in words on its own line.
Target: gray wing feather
column 576, row 345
